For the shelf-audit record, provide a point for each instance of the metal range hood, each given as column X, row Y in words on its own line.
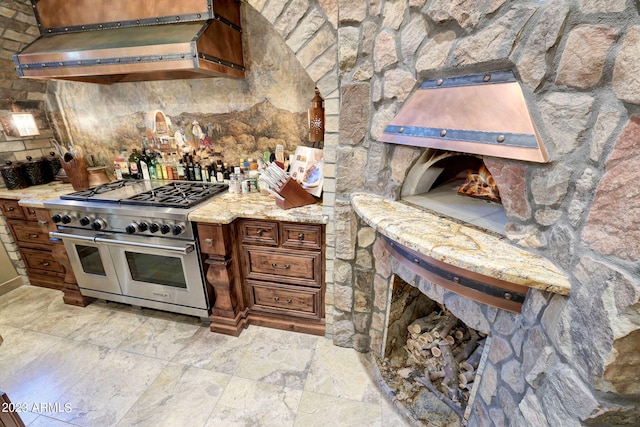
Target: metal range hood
column 110, row 41
column 484, row 114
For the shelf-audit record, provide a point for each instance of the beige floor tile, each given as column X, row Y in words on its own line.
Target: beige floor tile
column 254, row 403
column 180, row 396
column 25, row 304
column 43, row 421
column 49, row 375
column 278, row 357
column 113, row 386
column 213, row 351
column 321, row 410
column 341, row 372
column 159, row 338
column 107, row 328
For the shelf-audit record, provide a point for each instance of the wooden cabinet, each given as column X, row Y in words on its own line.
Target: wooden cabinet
column 267, row 273
column 30, row 228
column 283, row 274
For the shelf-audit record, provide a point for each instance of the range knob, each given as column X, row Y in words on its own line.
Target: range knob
column 66, row 219
column 154, row 227
column 85, row 220
column 56, row 218
column 165, row 228
column 178, row 229
column 131, row 228
column 99, row 224
column 143, row 226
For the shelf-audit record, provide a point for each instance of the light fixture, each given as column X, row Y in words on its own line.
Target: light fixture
column 19, row 123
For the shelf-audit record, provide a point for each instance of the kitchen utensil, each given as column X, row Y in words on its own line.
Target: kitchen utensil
column 13, row 175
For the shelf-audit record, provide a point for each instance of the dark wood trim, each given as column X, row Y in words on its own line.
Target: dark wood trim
column 8, row 418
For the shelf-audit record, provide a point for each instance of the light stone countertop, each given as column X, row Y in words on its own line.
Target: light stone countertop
column 35, row 196
column 221, row 210
column 226, row 208
column 458, row 244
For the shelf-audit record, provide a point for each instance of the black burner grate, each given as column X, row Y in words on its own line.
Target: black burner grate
column 177, row 195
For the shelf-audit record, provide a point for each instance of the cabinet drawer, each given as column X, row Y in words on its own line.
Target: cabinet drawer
column 40, row 260
column 29, row 233
column 292, row 301
column 298, row 236
column 11, row 209
column 261, row 232
column 29, row 213
column 298, row 268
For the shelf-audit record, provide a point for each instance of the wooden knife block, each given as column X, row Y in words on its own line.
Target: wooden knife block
column 77, row 172
column 292, row 195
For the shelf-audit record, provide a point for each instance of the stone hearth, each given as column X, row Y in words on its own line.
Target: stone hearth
column 566, row 358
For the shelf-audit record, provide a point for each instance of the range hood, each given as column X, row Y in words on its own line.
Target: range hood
column 111, row 41
column 484, row 114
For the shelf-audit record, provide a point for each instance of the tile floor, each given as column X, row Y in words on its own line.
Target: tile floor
column 111, row 364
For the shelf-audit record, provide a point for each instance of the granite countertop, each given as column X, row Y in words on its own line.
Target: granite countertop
column 221, row 210
column 458, row 244
column 35, row 196
column 226, row 208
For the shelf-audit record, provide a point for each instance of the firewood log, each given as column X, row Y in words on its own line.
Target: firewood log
column 466, row 376
column 436, row 375
column 448, row 325
column 437, row 352
column 474, row 359
column 467, row 349
column 450, row 369
column 424, row 323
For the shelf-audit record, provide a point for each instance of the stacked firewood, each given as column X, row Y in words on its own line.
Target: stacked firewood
column 447, row 353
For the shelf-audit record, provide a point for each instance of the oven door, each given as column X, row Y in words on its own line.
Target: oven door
column 91, row 262
column 158, row 269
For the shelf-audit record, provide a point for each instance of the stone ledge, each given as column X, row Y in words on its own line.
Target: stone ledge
column 459, row 245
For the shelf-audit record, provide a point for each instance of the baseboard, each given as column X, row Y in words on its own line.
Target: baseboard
column 10, row 285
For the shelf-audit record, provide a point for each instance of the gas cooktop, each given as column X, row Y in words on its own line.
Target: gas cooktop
column 170, row 194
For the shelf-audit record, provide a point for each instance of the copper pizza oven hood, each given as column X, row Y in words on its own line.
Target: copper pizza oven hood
column 112, row 41
column 484, row 114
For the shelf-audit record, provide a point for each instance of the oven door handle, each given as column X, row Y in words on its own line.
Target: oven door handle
column 180, row 249
column 68, row 236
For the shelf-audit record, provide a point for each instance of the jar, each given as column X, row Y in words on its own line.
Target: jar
column 13, row 176
column 53, row 162
column 37, row 171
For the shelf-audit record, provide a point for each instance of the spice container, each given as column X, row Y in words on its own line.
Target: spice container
column 13, row 176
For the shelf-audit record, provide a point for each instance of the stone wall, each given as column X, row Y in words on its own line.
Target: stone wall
column 564, row 360
column 18, row 28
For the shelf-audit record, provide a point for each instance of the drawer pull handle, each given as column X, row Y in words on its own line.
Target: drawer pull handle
column 259, row 232
column 208, row 242
column 31, row 211
column 289, row 300
column 43, row 223
column 300, row 236
column 284, row 267
column 33, row 236
column 11, row 209
column 44, row 264
column 277, row 299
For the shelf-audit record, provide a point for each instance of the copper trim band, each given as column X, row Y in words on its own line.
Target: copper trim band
column 103, row 61
column 161, row 20
column 484, row 289
column 220, row 61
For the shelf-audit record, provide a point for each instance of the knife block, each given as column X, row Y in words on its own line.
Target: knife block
column 77, row 172
column 292, row 195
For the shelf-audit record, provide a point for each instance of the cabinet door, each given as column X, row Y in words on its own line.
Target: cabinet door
column 214, row 239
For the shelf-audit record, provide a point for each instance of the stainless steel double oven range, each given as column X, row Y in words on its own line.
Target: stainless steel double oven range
column 131, row 242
